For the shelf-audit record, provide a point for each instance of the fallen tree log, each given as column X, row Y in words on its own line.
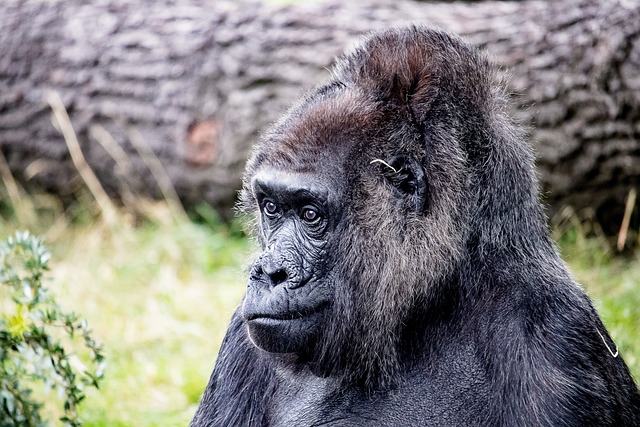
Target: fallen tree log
column 194, row 82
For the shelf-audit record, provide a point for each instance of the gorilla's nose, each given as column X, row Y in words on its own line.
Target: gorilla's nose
column 277, row 276
column 276, row 273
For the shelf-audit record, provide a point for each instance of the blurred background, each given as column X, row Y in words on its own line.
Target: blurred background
column 124, row 127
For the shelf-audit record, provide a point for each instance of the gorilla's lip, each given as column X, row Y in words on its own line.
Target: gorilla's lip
column 290, row 315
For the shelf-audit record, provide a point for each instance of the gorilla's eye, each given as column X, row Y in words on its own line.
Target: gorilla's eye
column 270, row 208
column 310, row 215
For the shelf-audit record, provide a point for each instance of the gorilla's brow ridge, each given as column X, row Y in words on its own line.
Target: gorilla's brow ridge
column 287, row 186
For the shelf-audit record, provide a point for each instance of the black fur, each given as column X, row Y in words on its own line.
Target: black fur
column 426, row 291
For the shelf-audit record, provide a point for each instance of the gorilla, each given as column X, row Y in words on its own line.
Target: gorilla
column 407, row 276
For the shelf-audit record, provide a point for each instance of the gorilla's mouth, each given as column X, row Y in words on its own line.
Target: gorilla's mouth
column 286, row 331
column 290, row 315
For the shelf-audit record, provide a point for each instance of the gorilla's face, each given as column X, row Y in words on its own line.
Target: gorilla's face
column 289, row 292
column 359, row 215
column 310, row 273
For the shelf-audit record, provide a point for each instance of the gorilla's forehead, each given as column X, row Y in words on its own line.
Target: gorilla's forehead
column 315, row 180
column 291, row 183
column 326, row 128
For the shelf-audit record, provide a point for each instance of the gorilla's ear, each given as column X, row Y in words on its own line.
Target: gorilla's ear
column 407, row 176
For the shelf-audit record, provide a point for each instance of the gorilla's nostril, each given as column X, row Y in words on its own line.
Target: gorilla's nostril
column 278, row 276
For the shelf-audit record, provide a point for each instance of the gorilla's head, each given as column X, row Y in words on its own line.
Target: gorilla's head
column 372, row 194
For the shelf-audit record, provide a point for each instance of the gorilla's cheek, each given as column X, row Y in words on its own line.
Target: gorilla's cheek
column 284, row 320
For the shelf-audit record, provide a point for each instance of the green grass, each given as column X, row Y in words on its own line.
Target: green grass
column 159, row 294
column 613, row 283
column 160, row 297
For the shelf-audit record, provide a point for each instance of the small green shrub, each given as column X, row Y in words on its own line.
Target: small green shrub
column 39, row 342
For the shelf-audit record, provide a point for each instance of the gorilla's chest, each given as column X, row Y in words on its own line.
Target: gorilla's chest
column 452, row 394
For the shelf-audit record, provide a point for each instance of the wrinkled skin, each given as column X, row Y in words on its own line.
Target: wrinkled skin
column 406, row 275
column 288, row 294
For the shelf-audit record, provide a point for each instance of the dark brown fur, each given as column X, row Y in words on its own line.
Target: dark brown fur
column 451, row 308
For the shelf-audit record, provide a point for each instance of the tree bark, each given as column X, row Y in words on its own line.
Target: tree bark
column 196, row 81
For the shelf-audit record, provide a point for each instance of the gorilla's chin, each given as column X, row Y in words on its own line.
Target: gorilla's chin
column 286, row 334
